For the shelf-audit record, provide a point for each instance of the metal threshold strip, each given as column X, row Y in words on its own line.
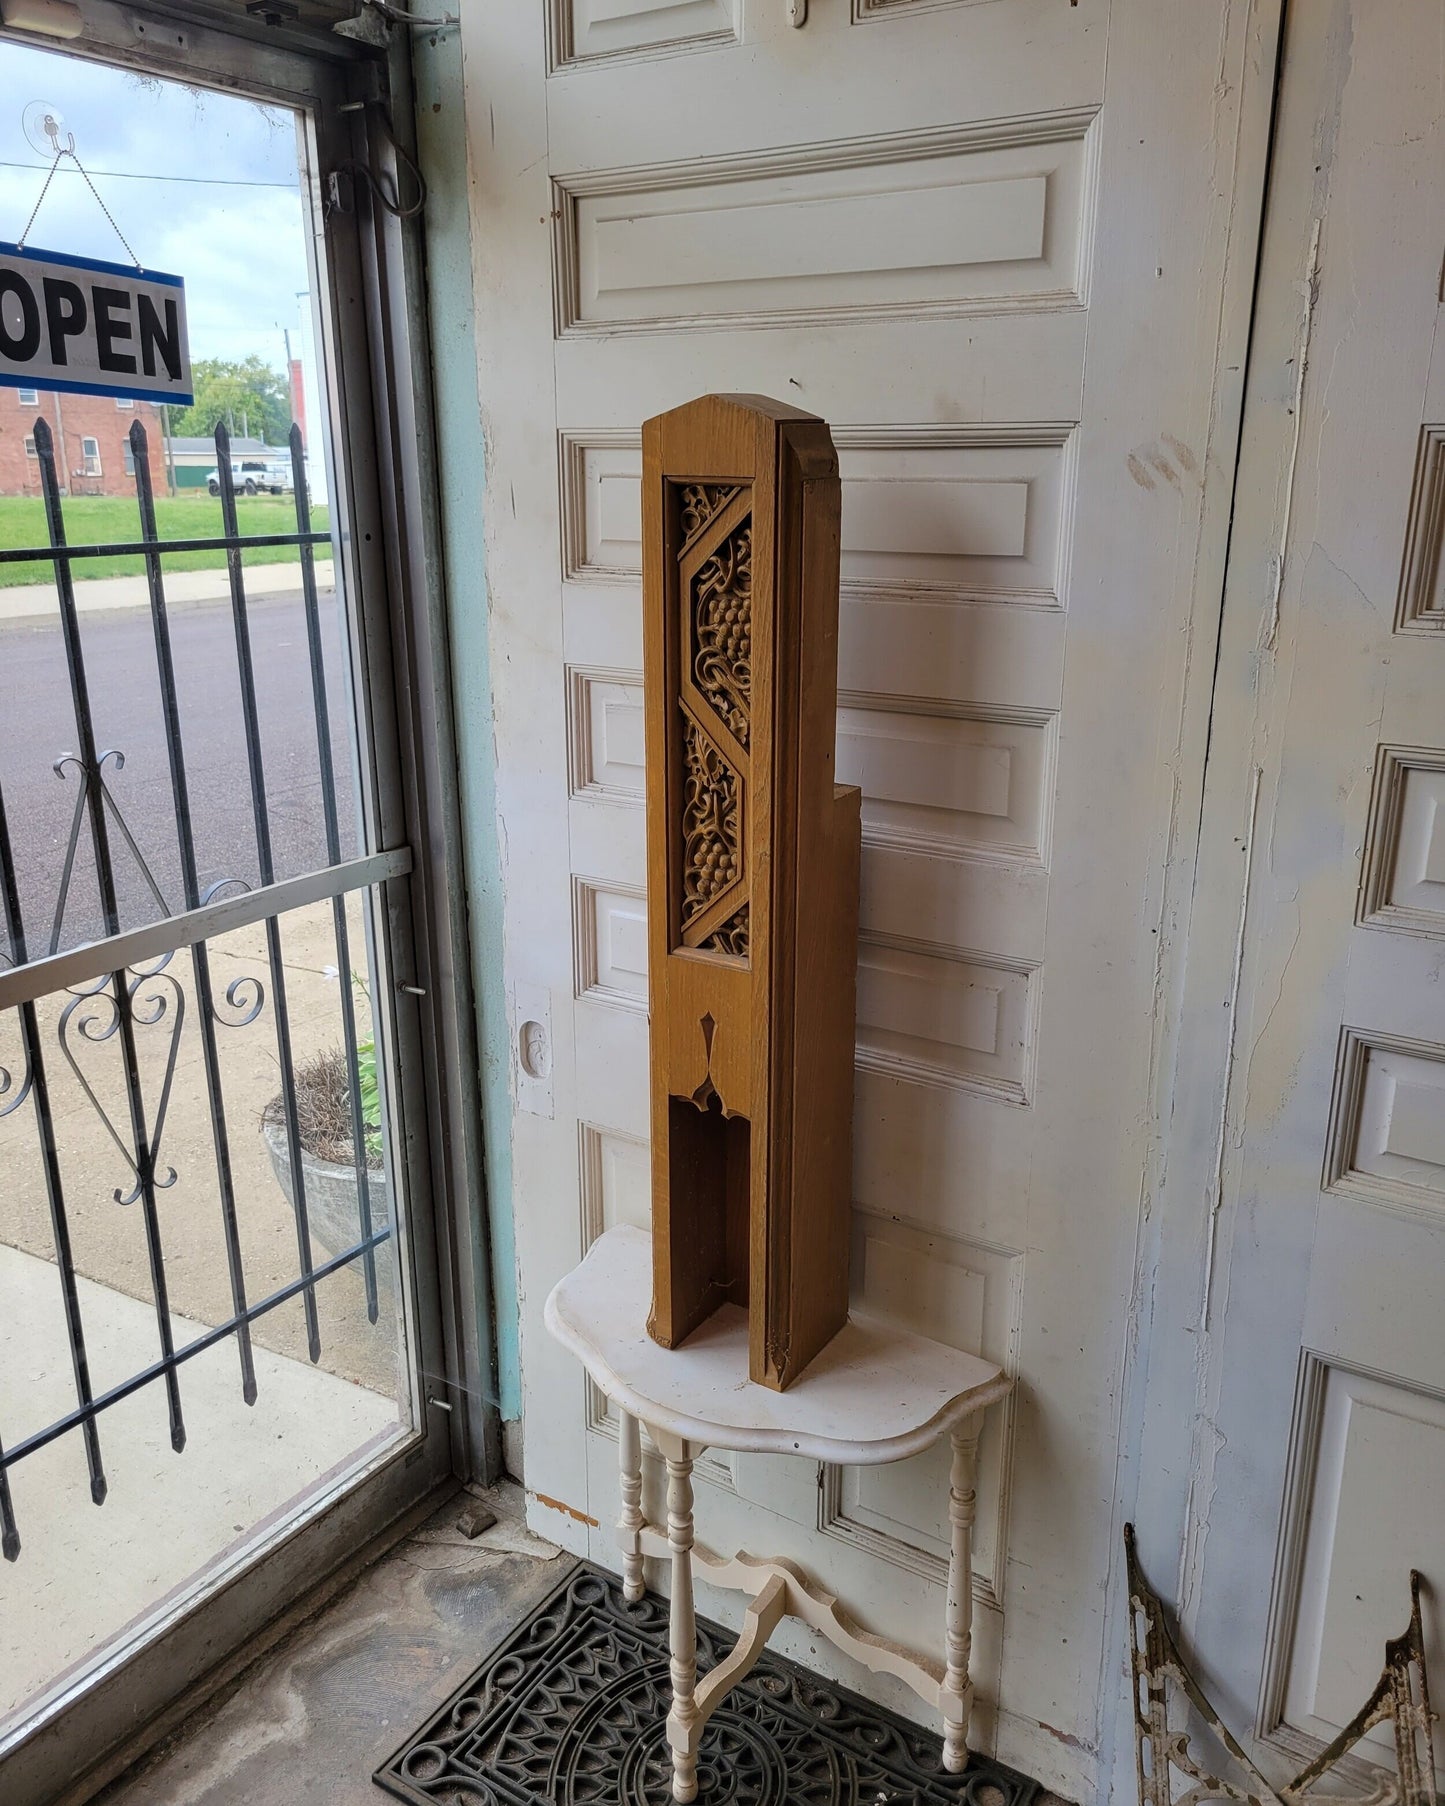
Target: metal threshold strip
column 100, row 959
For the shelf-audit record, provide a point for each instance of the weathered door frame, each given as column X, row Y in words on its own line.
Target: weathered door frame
column 368, row 265
column 1198, row 1234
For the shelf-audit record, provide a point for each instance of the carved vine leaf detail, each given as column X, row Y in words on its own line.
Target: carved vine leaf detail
column 700, row 502
column 711, row 823
column 732, row 937
column 722, row 625
column 718, row 628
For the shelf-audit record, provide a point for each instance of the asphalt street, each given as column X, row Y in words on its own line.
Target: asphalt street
column 37, row 727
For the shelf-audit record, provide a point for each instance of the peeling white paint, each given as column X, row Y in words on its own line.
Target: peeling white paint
column 1309, row 290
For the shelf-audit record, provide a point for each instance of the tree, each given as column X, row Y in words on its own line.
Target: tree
column 249, row 396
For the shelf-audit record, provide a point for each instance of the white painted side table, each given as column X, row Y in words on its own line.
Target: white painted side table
column 876, row 1394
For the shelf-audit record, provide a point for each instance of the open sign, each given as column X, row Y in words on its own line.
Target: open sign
column 80, row 325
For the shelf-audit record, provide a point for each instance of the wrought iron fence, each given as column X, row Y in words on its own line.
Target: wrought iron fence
column 119, row 988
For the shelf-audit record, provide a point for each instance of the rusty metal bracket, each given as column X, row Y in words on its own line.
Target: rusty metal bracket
column 1401, row 1695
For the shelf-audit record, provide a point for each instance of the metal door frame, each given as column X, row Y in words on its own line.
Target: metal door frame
column 369, row 271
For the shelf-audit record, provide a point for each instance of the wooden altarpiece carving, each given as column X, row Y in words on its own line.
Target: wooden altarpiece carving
column 752, row 865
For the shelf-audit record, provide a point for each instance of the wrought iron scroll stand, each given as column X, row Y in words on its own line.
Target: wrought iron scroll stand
column 1400, row 1697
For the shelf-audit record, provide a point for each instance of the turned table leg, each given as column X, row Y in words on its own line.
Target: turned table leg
column 630, row 1521
column 683, row 1726
column 957, row 1689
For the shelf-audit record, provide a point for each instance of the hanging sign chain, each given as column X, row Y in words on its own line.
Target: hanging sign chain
column 68, row 150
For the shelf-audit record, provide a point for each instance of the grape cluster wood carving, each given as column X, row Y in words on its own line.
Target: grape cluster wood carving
column 712, row 851
column 752, row 878
column 722, row 630
column 716, row 589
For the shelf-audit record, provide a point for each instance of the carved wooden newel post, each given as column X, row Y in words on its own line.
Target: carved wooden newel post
column 752, row 855
column 752, row 911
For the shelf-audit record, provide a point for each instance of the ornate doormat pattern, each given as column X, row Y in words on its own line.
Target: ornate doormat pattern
column 570, row 1710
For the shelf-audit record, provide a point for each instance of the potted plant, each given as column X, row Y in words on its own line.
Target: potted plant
column 328, row 1158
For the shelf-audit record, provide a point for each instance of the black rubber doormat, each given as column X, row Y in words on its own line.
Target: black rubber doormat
column 570, row 1711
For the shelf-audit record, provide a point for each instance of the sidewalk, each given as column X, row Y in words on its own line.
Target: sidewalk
column 108, row 1243
column 83, row 1574
column 37, row 601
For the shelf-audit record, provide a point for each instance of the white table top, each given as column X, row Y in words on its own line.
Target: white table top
column 875, row 1394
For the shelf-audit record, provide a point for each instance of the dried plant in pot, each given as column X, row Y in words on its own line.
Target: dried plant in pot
column 328, row 1158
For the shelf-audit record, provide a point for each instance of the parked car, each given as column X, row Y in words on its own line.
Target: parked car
column 254, row 476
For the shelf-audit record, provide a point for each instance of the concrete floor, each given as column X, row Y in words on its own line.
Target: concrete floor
column 310, row 1721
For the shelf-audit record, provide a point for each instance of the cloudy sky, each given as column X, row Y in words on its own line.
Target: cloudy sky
column 235, row 235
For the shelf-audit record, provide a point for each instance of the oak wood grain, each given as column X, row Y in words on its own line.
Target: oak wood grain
column 752, row 867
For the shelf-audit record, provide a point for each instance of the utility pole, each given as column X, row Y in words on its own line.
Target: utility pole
column 64, row 464
column 170, row 449
column 291, row 378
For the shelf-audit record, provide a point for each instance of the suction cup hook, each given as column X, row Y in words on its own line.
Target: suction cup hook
column 44, row 127
column 45, row 131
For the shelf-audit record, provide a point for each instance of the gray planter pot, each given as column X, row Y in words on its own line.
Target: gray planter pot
column 332, row 1211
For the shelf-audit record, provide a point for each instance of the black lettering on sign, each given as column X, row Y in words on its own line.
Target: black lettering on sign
column 154, row 337
column 65, row 315
column 27, row 342
column 106, row 301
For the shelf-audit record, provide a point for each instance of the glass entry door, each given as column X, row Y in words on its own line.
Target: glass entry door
column 218, row 1292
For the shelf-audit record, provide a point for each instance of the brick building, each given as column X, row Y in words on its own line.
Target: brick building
column 91, row 444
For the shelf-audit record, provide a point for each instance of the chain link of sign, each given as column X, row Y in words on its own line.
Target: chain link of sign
column 61, row 152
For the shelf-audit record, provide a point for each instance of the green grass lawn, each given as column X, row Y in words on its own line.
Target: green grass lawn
column 101, row 520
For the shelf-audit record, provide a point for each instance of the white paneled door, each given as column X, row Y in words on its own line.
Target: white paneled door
column 1317, row 1465
column 1001, row 246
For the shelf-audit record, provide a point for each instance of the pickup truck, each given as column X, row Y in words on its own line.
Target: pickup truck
column 254, row 476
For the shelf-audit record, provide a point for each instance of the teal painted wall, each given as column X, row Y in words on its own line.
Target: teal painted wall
column 442, row 146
